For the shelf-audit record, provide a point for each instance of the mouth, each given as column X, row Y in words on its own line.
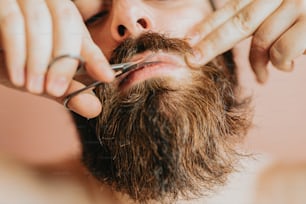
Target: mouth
column 160, row 65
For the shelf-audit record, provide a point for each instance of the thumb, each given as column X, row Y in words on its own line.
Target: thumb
column 85, row 104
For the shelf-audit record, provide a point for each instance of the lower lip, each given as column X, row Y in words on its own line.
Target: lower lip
column 160, row 69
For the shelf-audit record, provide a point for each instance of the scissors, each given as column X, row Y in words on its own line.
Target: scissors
column 118, row 68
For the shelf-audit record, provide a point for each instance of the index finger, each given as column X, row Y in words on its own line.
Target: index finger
column 237, row 28
column 97, row 65
column 215, row 20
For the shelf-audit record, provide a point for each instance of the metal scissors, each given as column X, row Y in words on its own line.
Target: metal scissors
column 118, row 68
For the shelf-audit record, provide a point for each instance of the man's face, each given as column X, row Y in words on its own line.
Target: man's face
column 167, row 129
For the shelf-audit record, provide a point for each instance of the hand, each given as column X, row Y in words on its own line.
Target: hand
column 33, row 32
column 277, row 27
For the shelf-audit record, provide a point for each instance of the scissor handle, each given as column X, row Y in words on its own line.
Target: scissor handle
column 73, row 94
column 118, row 68
column 71, row 56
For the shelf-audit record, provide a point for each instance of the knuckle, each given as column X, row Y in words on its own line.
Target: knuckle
column 259, row 43
column 242, row 21
column 237, row 5
column 37, row 15
column 39, row 26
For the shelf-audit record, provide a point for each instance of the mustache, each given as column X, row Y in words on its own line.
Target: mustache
column 149, row 41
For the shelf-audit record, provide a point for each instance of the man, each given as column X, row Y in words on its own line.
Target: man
column 167, row 129
column 151, row 151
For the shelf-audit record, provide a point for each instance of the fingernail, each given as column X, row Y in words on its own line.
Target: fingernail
column 35, row 84
column 57, row 86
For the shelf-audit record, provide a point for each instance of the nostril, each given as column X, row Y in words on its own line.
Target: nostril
column 143, row 23
column 121, row 30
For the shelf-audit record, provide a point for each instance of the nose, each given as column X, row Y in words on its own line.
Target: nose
column 129, row 19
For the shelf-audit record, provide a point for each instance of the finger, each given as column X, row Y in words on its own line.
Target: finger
column 13, row 40
column 290, row 46
column 67, row 40
column 85, row 104
column 239, row 27
column 267, row 34
column 215, row 20
column 88, row 8
column 39, row 42
column 97, row 66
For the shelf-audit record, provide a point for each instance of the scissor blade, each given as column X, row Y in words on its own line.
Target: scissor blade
column 120, row 66
column 127, row 66
column 135, row 67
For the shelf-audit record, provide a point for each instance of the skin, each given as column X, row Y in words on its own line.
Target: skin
column 277, row 28
column 64, row 32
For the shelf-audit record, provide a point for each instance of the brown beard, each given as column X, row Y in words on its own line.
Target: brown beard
column 160, row 142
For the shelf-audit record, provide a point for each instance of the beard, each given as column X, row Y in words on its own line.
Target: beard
column 160, row 141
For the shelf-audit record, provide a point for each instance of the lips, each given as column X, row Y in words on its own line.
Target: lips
column 161, row 65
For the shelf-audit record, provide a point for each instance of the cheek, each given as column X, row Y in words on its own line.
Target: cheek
column 179, row 23
column 99, row 34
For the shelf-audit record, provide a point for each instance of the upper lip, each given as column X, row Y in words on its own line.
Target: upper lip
column 133, row 59
column 157, row 57
column 125, row 75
